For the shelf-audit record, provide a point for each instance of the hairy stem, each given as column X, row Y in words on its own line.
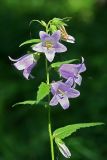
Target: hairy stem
column 49, row 116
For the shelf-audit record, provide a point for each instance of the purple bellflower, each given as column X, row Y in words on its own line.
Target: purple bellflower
column 61, row 92
column 65, row 36
column 71, row 72
column 25, row 63
column 50, row 44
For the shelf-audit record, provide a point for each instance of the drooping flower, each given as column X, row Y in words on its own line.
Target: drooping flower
column 50, row 45
column 61, row 92
column 64, row 150
column 65, row 36
column 71, row 72
column 25, row 63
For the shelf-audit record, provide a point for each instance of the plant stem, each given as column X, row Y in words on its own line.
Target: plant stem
column 49, row 116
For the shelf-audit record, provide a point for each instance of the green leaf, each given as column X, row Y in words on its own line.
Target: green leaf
column 28, row 102
column 58, row 64
column 68, row 130
column 30, row 41
column 43, row 91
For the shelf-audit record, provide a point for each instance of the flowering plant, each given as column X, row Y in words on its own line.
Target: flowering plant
column 49, row 43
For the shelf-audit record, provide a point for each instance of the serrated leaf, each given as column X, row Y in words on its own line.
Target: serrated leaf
column 28, row 102
column 30, row 41
column 68, row 130
column 43, row 91
column 58, row 64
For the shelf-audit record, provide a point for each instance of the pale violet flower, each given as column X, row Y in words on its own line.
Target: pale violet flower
column 50, row 45
column 25, row 63
column 63, row 148
column 72, row 72
column 61, row 92
column 65, row 36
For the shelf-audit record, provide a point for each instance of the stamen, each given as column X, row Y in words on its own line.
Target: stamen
column 48, row 44
column 60, row 91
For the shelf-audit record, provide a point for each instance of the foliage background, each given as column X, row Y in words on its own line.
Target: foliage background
column 23, row 129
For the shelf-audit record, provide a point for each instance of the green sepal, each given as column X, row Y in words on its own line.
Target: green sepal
column 28, row 102
column 53, row 28
column 43, row 91
column 66, row 131
column 43, row 23
column 30, row 41
column 58, row 64
column 58, row 22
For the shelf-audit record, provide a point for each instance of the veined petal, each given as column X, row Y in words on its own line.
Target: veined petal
column 82, row 68
column 27, row 71
column 63, row 100
column 60, row 47
column 64, row 150
column 50, row 54
column 24, row 62
column 38, row 47
column 54, row 87
column 72, row 93
column 68, row 70
column 78, row 80
column 54, row 101
column 70, row 81
column 56, row 36
column 43, row 35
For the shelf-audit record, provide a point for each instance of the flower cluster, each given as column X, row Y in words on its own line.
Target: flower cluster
column 48, row 44
column 62, row 91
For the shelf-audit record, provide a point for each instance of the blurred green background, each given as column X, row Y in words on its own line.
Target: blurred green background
column 23, row 129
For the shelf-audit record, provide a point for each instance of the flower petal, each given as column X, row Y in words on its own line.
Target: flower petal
column 50, row 54
column 63, row 100
column 60, row 47
column 82, row 68
column 70, row 39
column 64, row 150
column 24, row 62
column 78, row 80
column 53, row 101
column 72, row 93
column 70, row 81
column 27, row 71
column 15, row 60
column 56, row 36
column 38, row 47
column 43, row 35
column 54, row 87
column 68, row 70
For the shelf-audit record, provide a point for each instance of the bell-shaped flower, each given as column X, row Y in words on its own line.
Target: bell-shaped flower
column 65, row 36
column 61, row 92
column 72, row 72
column 50, row 45
column 25, row 63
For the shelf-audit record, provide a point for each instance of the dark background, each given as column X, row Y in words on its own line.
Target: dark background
column 23, row 129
